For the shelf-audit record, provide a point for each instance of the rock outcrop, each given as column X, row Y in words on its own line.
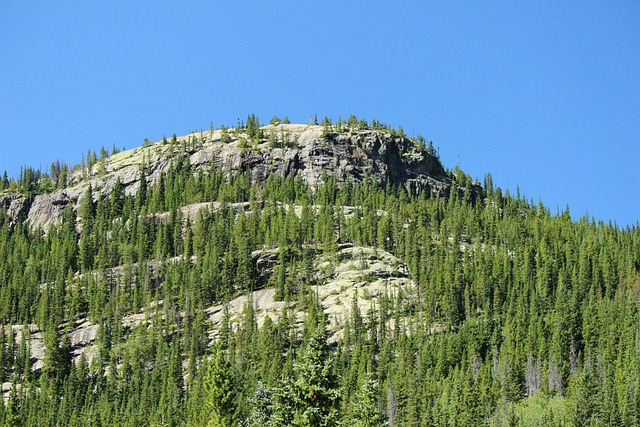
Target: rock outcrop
column 16, row 206
column 357, row 276
column 310, row 152
column 360, row 277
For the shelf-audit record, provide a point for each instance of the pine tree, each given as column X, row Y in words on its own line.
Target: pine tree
column 87, row 212
column 366, row 405
column 311, row 399
column 262, row 408
column 221, row 385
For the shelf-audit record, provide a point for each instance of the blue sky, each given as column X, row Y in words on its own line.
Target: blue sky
column 544, row 95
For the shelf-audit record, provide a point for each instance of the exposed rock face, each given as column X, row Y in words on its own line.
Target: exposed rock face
column 46, row 209
column 307, row 151
column 15, row 205
column 360, row 276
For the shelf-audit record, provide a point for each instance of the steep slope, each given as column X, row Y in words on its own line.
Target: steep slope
column 311, row 152
column 358, row 278
column 431, row 310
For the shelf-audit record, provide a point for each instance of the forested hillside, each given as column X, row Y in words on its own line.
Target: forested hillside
column 487, row 308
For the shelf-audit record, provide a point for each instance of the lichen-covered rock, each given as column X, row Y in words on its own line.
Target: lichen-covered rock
column 15, row 205
column 358, row 276
column 309, row 152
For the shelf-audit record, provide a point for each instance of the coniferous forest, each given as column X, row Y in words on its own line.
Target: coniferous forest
column 516, row 316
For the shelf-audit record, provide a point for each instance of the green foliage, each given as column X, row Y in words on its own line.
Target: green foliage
column 262, row 408
column 517, row 316
column 221, row 385
column 366, row 405
column 275, row 120
column 311, row 398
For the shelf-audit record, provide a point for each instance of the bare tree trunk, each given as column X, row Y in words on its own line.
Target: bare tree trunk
column 532, row 376
column 392, row 405
column 555, row 377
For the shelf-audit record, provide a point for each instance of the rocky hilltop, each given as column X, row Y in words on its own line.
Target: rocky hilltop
column 311, row 152
column 355, row 277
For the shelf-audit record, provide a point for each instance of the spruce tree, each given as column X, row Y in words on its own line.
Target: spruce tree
column 366, row 405
column 221, row 385
column 312, row 397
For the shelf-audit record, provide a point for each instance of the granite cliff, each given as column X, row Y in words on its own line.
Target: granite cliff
column 311, row 152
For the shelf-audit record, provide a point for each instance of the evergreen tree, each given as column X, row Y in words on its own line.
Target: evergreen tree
column 262, row 408
column 366, row 405
column 312, row 397
column 222, row 386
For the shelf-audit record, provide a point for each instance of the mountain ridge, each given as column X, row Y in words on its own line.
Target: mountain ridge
column 312, row 153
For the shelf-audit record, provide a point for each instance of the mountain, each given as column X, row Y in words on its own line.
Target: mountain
column 311, row 153
column 307, row 275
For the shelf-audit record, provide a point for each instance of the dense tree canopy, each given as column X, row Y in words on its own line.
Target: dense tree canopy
column 518, row 317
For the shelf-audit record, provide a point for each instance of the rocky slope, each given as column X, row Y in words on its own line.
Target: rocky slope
column 309, row 151
column 358, row 276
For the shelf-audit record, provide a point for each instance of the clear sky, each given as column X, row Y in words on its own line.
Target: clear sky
column 544, row 95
